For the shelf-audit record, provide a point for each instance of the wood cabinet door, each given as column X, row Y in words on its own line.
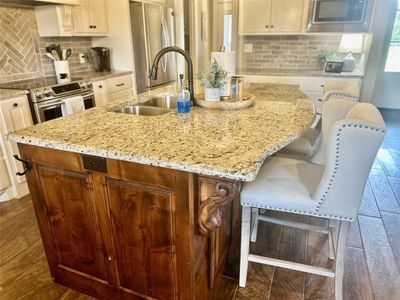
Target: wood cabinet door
column 75, row 245
column 97, row 16
column 254, row 16
column 80, row 17
column 286, row 15
column 143, row 230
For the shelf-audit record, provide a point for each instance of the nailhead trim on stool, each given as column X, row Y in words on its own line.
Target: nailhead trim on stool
column 315, row 213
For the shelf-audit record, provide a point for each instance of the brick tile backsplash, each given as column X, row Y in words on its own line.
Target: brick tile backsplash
column 285, row 52
column 23, row 52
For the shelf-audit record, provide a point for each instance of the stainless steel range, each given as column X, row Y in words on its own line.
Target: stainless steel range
column 46, row 97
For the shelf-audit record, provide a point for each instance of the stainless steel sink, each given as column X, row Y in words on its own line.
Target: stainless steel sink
column 164, row 101
column 140, row 110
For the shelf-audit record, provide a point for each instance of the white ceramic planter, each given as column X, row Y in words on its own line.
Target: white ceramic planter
column 62, row 71
column 211, row 94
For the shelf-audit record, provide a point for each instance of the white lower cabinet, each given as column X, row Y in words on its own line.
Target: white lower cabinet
column 14, row 115
column 313, row 87
column 100, row 92
column 119, row 87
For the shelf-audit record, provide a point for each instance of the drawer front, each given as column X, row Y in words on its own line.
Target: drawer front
column 311, row 84
column 317, row 99
column 119, row 95
column 117, row 84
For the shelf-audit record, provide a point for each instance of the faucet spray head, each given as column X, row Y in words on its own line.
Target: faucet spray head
column 153, row 72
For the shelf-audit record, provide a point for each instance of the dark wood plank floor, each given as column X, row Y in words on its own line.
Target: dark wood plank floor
column 372, row 268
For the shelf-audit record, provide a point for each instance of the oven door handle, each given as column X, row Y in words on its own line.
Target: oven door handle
column 58, row 102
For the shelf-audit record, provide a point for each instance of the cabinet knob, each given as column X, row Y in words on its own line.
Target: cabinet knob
column 94, row 26
column 322, row 85
column 266, row 26
column 109, row 258
column 320, row 100
column 100, row 86
column 15, row 104
column 272, row 26
column 91, row 26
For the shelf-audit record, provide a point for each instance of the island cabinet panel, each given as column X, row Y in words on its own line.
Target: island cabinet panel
column 131, row 231
column 69, row 205
column 143, row 226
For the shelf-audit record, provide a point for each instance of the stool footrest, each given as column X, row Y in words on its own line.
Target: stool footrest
column 291, row 265
column 293, row 224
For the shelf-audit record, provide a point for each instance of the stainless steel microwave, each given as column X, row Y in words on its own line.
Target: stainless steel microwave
column 340, row 15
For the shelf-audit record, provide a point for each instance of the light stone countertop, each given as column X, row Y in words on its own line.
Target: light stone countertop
column 228, row 144
column 294, row 72
column 8, row 93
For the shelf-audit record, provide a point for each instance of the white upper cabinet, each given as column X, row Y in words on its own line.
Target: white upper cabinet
column 54, row 20
column 254, row 16
column 262, row 17
column 89, row 18
column 286, row 15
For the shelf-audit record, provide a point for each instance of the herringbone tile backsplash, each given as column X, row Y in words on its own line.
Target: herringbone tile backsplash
column 22, row 51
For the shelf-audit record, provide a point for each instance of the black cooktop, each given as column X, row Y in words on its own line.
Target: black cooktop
column 31, row 84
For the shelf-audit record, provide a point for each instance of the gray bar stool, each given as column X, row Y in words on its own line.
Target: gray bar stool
column 332, row 189
column 307, row 145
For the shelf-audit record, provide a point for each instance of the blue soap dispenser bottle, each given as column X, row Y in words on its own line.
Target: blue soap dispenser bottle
column 183, row 103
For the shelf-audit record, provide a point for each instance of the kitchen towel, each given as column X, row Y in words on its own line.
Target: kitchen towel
column 72, row 105
column 226, row 60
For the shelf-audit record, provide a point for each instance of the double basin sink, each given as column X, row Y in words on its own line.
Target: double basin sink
column 156, row 106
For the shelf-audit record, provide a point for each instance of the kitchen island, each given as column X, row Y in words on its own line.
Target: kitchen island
column 145, row 207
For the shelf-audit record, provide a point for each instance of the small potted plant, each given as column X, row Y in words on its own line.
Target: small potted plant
column 325, row 56
column 212, row 80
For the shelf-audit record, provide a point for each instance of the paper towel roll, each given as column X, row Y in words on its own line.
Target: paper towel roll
column 227, row 60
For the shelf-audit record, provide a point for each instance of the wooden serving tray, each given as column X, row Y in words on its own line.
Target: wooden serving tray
column 227, row 104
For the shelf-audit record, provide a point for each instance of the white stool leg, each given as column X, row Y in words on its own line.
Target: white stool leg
column 254, row 219
column 344, row 228
column 331, row 236
column 244, row 246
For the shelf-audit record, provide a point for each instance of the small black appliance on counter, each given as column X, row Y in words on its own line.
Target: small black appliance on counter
column 101, row 59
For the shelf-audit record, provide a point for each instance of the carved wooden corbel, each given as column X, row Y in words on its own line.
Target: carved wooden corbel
column 210, row 213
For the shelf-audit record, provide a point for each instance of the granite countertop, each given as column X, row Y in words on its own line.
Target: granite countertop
column 7, row 93
column 293, row 72
column 95, row 76
column 228, row 144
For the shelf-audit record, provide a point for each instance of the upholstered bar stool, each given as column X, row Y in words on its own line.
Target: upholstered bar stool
column 307, row 145
column 332, row 190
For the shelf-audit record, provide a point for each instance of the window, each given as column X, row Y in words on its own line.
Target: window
column 393, row 57
column 228, row 31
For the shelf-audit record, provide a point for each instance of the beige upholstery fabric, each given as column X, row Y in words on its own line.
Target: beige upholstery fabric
column 306, row 146
column 332, row 190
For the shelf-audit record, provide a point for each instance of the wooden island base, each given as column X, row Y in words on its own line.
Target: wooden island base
column 119, row 230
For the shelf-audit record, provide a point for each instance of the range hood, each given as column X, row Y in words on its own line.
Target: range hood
column 39, row 2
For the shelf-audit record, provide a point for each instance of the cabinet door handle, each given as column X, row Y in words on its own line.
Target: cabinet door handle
column 320, row 100
column 120, row 84
column 322, row 85
column 15, row 104
column 26, row 163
